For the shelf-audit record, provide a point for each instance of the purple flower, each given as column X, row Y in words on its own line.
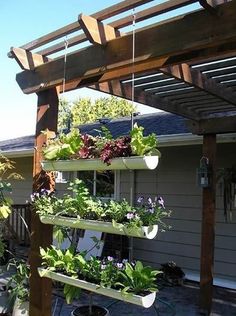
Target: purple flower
column 161, row 201
column 103, row 266
column 124, row 261
column 151, row 210
column 149, row 200
column 140, row 199
column 130, row 215
column 109, row 258
column 119, row 265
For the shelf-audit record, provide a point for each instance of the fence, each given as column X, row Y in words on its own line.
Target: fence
column 18, row 225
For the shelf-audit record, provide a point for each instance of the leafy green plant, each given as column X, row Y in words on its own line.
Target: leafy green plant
column 63, row 260
column 108, row 272
column 143, row 145
column 2, row 247
column 137, row 279
column 18, row 284
column 82, row 205
column 83, row 146
column 64, row 146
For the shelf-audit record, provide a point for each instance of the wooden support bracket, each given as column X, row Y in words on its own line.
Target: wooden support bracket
column 215, row 125
column 96, row 31
column 26, row 59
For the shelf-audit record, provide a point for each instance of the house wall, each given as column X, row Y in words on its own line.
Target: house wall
column 175, row 180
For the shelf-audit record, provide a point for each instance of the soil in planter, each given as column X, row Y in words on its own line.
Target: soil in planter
column 84, row 311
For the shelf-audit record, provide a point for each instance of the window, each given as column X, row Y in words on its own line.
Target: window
column 103, row 184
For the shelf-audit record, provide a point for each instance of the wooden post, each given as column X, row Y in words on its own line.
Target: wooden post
column 208, row 227
column 41, row 235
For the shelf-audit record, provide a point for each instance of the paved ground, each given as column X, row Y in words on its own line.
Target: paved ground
column 178, row 300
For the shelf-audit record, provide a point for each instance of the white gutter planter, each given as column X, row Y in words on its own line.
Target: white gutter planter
column 148, row 232
column 144, row 301
column 123, row 163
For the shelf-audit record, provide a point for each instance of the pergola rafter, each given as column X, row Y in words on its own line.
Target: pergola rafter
column 83, row 69
column 185, row 65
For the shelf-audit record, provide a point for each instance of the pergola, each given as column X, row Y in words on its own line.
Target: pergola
column 185, row 65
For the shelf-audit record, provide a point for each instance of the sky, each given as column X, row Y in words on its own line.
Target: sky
column 21, row 22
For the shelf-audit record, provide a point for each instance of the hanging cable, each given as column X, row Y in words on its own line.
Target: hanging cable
column 133, row 56
column 132, row 174
column 64, row 70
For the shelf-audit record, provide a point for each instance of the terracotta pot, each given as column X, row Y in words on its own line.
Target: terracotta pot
column 96, row 311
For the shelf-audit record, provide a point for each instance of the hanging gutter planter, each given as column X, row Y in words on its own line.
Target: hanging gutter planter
column 144, row 301
column 148, row 232
column 123, row 163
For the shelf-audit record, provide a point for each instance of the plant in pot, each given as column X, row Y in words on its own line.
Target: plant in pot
column 18, row 287
column 227, row 176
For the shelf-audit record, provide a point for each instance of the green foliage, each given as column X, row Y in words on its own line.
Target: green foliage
column 2, row 247
column 84, row 110
column 108, row 272
column 71, row 292
column 64, row 146
column 62, row 260
column 138, row 279
column 143, row 145
column 83, row 146
column 84, row 206
column 18, row 284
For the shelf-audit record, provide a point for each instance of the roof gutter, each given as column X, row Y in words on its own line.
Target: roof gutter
column 18, row 153
column 190, row 139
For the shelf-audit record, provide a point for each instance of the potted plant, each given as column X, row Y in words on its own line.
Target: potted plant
column 228, row 178
column 130, row 282
column 18, row 287
column 80, row 210
column 86, row 152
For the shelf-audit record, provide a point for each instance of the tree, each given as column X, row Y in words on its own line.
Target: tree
column 84, row 110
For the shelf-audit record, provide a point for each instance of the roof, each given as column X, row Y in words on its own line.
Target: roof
column 170, row 129
column 160, row 123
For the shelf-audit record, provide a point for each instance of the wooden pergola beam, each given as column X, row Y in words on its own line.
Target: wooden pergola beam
column 72, row 27
column 208, row 226
column 122, row 22
column 27, row 60
column 41, row 235
column 217, row 125
column 96, row 31
column 199, row 80
column 111, row 62
column 114, row 87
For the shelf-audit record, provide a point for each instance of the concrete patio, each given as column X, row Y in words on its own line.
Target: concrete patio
column 177, row 300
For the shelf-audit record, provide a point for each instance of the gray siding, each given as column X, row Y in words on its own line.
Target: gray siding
column 175, row 180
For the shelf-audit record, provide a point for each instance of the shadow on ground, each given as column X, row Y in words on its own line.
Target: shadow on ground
column 175, row 300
